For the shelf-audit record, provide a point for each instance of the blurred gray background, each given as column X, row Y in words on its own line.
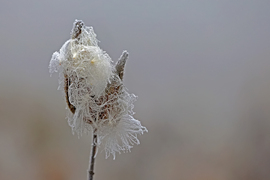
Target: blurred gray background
column 201, row 70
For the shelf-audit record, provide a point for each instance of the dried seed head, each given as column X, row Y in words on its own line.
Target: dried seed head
column 95, row 95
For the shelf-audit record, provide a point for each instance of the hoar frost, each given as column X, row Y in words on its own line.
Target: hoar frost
column 96, row 97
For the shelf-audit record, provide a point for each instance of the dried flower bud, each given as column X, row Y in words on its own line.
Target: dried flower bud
column 96, row 97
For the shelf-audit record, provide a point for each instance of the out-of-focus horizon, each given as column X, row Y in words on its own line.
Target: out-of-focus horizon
column 199, row 68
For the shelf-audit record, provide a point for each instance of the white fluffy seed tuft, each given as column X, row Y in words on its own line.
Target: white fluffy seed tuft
column 96, row 97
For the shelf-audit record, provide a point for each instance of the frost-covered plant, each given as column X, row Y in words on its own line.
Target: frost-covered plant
column 96, row 98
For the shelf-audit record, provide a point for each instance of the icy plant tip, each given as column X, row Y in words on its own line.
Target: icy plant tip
column 93, row 87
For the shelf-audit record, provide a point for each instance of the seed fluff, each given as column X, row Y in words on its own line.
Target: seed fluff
column 93, row 87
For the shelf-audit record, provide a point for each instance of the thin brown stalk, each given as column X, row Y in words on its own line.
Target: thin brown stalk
column 92, row 157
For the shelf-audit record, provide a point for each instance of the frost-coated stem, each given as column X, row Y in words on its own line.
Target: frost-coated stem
column 93, row 87
column 92, row 157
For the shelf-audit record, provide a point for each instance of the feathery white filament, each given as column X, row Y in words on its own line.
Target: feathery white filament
column 96, row 93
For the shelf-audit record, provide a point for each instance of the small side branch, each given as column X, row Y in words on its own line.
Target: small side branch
column 92, row 157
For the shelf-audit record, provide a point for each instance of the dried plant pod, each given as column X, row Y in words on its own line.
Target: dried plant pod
column 120, row 65
column 96, row 97
column 77, row 29
column 70, row 106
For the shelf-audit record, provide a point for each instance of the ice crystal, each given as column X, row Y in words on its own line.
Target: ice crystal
column 96, row 98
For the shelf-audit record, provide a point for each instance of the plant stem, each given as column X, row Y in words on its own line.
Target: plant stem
column 92, row 157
